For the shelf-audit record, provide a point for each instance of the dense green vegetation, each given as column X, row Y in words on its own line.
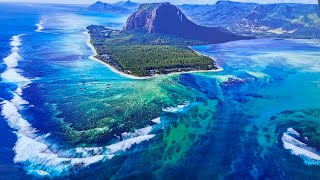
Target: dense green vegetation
column 143, row 54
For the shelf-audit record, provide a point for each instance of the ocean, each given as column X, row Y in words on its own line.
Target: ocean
column 258, row 118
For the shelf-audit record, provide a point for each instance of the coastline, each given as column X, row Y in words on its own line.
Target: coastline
column 92, row 57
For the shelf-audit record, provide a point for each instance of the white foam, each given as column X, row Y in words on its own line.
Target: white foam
column 177, row 109
column 113, row 149
column 18, row 101
column 226, row 78
column 292, row 131
column 298, row 148
column 40, row 25
column 12, row 60
column 16, row 41
column 29, row 151
column 156, row 120
column 14, row 119
column 11, row 75
column 32, row 148
column 41, row 173
column 19, row 91
column 138, row 132
column 128, row 143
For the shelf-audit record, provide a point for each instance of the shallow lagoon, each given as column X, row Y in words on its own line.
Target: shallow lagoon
column 234, row 123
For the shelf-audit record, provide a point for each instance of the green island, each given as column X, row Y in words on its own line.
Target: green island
column 142, row 54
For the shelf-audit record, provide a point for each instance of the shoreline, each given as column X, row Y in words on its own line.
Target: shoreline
column 92, row 57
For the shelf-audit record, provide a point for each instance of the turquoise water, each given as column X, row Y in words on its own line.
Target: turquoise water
column 65, row 114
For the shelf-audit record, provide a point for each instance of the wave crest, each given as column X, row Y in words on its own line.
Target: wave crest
column 309, row 154
column 33, row 150
column 40, row 24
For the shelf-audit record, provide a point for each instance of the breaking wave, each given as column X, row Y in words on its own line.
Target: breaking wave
column 177, row 109
column 290, row 142
column 156, row 120
column 40, row 25
column 11, row 74
column 33, row 149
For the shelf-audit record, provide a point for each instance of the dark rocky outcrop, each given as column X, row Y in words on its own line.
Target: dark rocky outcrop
column 165, row 18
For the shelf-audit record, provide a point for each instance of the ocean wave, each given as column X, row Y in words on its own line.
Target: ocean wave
column 33, row 149
column 226, row 78
column 35, row 153
column 12, row 60
column 18, row 101
column 156, row 120
column 40, row 25
column 290, row 142
column 178, row 108
column 15, row 42
column 36, row 156
column 15, row 120
column 11, row 75
column 138, row 132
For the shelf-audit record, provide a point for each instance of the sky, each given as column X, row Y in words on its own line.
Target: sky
column 171, row 1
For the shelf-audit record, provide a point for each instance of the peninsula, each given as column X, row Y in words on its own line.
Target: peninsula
column 156, row 40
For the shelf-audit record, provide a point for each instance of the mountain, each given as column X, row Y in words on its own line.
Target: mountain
column 286, row 20
column 127, row 4
column 108, row 8
column 156, row 40
column 165, row 18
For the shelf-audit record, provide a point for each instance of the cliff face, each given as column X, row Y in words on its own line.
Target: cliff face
column 165, row 18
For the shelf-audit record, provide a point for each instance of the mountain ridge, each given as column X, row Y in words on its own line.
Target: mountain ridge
column 127, row 4
column 105, row 7
column 285, row 20
column 165, row 18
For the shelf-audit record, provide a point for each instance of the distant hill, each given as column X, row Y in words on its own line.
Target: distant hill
column 121, row 7
column 165, row 18
column 265, row 20
column 105, row 7
column 127, row 4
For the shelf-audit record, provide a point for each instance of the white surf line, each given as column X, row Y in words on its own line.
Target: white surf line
column 309, row 154
column 29, row 144
column 11, row 74
column 177, row 109
column 32, row 148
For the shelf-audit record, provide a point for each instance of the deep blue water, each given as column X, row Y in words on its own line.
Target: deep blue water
column 43, row 53
column 258, row 118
